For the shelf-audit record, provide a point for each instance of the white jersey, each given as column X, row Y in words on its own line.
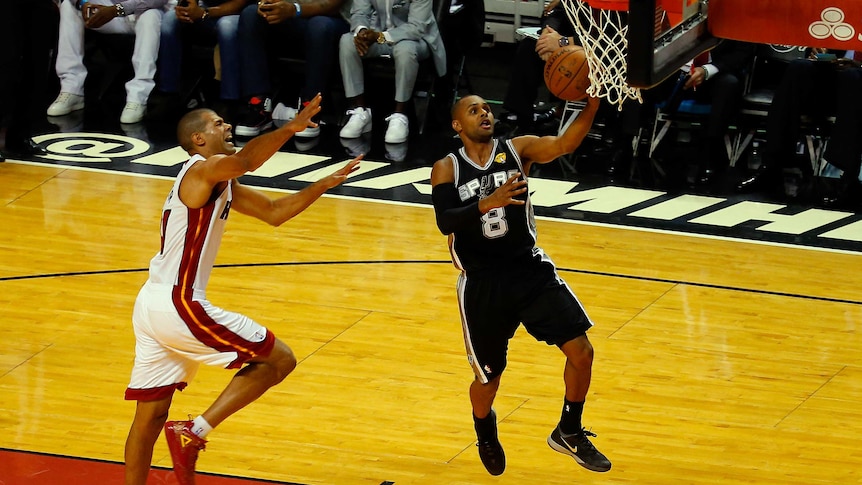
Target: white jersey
column 190, row 237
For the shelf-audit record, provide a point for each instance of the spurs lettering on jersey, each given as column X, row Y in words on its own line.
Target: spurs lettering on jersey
column 484, row 185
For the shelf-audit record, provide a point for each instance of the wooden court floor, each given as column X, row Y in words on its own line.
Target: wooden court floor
column 717, row 361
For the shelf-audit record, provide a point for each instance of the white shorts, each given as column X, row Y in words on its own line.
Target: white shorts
column 175, row 332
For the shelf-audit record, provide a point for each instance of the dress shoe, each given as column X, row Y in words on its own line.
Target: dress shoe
column 619, row 161
column 706, row 176
column 758, row 180
column 847, row 196
column 24, row 148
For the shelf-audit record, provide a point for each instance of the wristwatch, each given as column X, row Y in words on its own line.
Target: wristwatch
column 564, row 41
column 381, row 39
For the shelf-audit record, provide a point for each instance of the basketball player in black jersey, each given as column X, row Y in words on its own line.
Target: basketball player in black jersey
column 482, row 203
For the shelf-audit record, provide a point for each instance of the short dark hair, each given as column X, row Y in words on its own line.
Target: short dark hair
column 458, row 105
column 191, row 123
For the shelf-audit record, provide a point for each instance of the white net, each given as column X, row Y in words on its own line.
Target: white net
column 603, row 37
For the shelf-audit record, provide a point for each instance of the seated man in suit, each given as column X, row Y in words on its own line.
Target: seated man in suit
column 718, row 82
column 404, row 30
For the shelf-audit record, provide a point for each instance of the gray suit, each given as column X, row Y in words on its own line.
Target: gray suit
column 412, row 36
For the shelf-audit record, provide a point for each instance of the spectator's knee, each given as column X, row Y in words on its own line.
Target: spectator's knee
column 406, row 52
column 248, row 17
column 323, row 27
column 227, row 28
column 149, row 20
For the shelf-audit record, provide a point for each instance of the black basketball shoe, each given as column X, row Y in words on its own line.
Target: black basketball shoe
column 492, row 456
column 578, row 446
column 490, row 450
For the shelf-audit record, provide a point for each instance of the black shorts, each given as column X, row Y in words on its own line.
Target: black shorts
column 492, row 307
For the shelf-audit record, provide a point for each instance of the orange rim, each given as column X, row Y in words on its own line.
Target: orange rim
column 618, row 5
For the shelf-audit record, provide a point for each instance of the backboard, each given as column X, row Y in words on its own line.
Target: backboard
column 663, row 35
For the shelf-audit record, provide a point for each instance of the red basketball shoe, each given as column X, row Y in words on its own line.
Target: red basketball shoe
column 184, row 446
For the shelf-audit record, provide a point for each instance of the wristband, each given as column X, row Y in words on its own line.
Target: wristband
column 564, row 41
column 80, row 4
column 298, row 8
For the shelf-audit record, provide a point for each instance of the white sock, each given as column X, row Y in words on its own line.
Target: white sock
column 200, row 427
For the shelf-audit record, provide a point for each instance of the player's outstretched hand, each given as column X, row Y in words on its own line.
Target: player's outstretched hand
column 340, row 175
column 303, row 118
column 505, row 194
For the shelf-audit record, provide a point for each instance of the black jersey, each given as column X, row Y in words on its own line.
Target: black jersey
column 504, row 234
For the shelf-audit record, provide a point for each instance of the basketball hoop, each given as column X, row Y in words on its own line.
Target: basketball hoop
column 602, row 30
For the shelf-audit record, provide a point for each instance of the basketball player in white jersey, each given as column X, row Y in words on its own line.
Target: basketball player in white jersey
column 176, row 328
column 482, row 203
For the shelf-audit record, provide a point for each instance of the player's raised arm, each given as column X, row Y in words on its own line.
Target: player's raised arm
column 205, row 133
column 261, row 148
column 276, row 212
column 547, row 148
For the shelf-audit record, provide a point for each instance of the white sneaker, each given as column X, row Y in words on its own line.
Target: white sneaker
column 283, row 114
column 359, row 123
column 65, row 104
column 133, row 113
column 398, row 129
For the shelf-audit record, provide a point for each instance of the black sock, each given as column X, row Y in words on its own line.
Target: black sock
column 570, row 420
column 486, row 428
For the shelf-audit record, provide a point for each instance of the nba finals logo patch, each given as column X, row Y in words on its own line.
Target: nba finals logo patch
column 500, row 158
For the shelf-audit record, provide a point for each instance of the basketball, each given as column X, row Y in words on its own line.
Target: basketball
column 567, row 73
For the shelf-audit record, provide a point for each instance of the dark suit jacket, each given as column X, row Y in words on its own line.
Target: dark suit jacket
column 733, row 56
